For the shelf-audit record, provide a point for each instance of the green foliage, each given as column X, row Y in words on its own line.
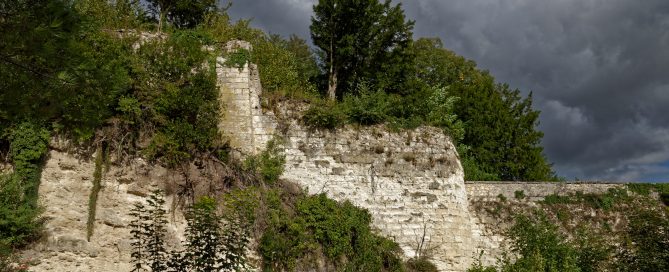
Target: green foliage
column 181, row 101
column 646, row 188
column 478, row 266
column 500, row 125
column 520, row 194
column 20, row 220
column 119, row 14
column 598, row 201
column 211, row 244
column 421, row 265
column 370, row 107
column 285, row 241
column 269, row 164
column 285, row 66
column 441, row 114
column 180, row 13
column 363, row 41
column 472, row 168
column 323, row 116
column 646, row 246
column 367, row 107
column 611, row 231
column 281, row 71
column 307, row 67
column 101, row 152
column 57, row 67
column 238, row 58
column 190, row 13
column 593, row 251
column 340, row 230
column 28, row 146
column 540, row 246
column 641, row 188
column 148, row 231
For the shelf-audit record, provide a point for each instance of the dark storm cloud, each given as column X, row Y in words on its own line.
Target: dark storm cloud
column 283, row 17
column 599, row 70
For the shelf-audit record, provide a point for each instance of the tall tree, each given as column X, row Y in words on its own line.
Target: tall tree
column 363, row 40
column 500, row 132
column 181, row 13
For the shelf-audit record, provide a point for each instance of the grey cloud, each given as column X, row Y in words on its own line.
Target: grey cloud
column 599, row 70
column 282, row 17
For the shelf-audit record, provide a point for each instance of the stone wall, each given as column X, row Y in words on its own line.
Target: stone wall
column 243, row 121
column 411, row 181
column 488, row 230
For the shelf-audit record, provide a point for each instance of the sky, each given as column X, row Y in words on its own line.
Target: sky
column 598, row 70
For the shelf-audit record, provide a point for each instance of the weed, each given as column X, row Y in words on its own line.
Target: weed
column 238, row 59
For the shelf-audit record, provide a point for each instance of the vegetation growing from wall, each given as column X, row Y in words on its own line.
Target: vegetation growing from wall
column 304, row 232
column 95, row 191
column 624, row 229
column 20, row 220
column 213, row 242
column 269, row 164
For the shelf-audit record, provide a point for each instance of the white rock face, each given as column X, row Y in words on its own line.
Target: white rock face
column 64, row 193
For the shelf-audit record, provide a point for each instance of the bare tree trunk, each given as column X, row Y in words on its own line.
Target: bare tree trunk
column 332, row 86
column 161, row 19
column 332, row 79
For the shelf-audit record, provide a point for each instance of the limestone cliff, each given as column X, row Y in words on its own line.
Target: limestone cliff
column 64, row 193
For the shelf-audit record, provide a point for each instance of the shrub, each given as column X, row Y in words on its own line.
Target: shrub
column 421, row 265
column 340, row 230
column 269, row 164
column 640, row 188
column 238, row 58
column 540, row 246
column 323, row 116
column 646, row 243
column 28, row 145
column 520, row 194
column 211, row 244
column 367, row 107
column 19, row 211
column 20, row 221
column 148, row 230
column 181, row 102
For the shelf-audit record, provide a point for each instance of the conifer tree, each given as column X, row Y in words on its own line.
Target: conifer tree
column 363, row 41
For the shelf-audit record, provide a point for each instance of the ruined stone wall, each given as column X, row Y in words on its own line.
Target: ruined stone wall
column 411, row 181
column 243, row 121
column 488, row 229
